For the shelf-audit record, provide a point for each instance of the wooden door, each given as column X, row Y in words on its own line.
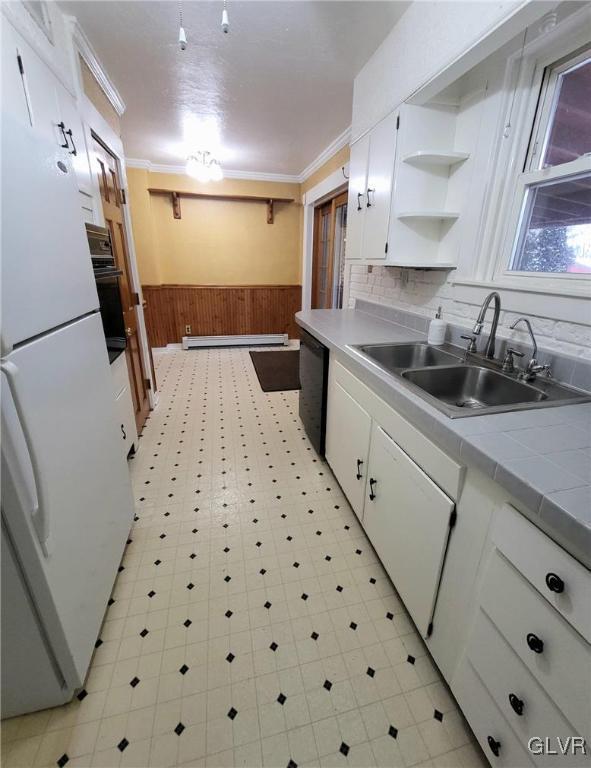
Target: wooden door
column 408, row 520
column 112, row 199
column 328, row 252
column 348, row 428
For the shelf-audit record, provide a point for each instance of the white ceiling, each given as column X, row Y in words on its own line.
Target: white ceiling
column 271, row 94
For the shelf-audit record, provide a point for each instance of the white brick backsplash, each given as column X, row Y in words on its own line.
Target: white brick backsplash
column 426, row 290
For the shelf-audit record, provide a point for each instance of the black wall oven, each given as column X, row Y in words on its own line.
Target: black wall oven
column 107, row 277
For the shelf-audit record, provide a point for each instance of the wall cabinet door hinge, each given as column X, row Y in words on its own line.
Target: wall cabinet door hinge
column 397, row 122
column 430, row 629
column 452, row 518
column 148, row 383
column 135, row 297
column 123, row 196
column 386, row 248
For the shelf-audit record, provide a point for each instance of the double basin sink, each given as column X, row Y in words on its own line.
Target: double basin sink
column 464, row 388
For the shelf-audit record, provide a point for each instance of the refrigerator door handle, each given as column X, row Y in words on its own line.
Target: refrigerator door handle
column 38, row 514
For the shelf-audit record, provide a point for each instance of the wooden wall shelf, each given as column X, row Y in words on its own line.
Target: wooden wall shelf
column 175, row 199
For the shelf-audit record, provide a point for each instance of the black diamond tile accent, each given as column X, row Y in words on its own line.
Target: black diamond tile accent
column 192, row 555
column 304, row 596
column 289, row 538
column 284, row 515
column 187, row 622
column 353, row 626
column 151, row 593
column 389, row 615
column 226, row 549
column 162, row 535
column 344, row 749
column 347, row 527
column 111, row 601
column 263, row 571
column 179, row 729
column 144, row 632
column 273, row 646
column 292, row 764
column 339, row 588
column 318, row 533
column 438, row 715
column 228, row 613
column 98, row 643
column 328, row 558
column 259, row 543
column 372, row 580
column 184, row 669
column 327, row 685
column 268, row 605
column 82, row 695
column 134, row 682
column 314, row 635
column 282, row 698
column 232, row 713
column 357, row 551
column 190, row 585
column 230, row 658
column 63, row 760
column 123, row 744
column 157, row 562
column 411, row 659
column 296, row 565
column 393, row 732
column 370, row 671
column 227, row 579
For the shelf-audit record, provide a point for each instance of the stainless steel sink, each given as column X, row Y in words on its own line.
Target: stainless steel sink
column 461, row 384
column 394, row 357
column 473, row 387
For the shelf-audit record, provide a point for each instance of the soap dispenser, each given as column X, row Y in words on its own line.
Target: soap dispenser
column 437, row 328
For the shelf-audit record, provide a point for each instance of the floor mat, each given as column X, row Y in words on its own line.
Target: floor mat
column 277, row 371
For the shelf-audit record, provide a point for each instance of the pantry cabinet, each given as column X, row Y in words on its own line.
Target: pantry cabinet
column 371, row 172
column 408, row 519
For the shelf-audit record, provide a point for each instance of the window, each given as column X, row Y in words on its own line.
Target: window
column 554, row 189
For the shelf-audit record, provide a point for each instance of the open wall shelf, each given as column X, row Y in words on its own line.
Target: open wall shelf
column 426, row 158
column 429, row 215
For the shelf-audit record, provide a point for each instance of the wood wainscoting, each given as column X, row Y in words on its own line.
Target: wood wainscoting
column 219, row 310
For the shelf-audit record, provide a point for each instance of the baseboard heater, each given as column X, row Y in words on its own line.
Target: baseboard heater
column 240, row 340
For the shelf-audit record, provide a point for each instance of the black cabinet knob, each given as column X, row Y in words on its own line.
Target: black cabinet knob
column 359, row 465
column 535, row 643
column 554, row 583
column 495, row 746
column 516, row 704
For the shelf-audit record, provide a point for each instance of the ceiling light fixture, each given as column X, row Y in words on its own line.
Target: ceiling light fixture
column 204, row 167
column 225, row 20
column 182, row 35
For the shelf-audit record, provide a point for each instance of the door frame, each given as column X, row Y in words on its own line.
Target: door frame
column 329, row 187
column 94, row 122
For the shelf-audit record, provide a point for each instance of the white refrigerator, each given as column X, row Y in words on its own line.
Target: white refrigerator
column 66, row 503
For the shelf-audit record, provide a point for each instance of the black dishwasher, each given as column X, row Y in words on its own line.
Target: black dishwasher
column 314, row 383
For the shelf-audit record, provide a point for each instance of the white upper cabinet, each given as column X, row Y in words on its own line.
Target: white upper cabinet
column 370, row 191
column 357, row 189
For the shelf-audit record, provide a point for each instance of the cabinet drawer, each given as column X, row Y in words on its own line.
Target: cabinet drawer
column 547, row 566
column 487, row 722
column 119, row 374
column 520, row 698
column 523, row 617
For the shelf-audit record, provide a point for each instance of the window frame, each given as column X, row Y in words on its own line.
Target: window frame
column 530, row 95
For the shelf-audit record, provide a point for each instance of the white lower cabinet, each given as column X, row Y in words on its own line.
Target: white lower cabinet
column 408, row 520
column 125, row 411
column 347, row 444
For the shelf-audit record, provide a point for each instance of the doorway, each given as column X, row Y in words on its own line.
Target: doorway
column 328, row 256
column 109, row 180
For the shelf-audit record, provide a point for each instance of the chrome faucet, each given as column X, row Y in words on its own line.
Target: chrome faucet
column 532, row 369
column 489, row 350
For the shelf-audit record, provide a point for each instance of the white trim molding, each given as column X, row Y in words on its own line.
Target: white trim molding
column 85, row 49
column 341, row 141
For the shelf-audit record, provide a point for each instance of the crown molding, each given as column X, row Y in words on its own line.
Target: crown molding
column 146, row 165
column 84, row 47
column 341, row 141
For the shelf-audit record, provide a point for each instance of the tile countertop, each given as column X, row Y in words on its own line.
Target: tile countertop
column 542, row 457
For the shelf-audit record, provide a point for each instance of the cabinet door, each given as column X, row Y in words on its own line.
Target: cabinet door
column 382, row 150
column 76, row 151
column 126, row 423
column 348, row 428
column 357, row 189
column 407, row 518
